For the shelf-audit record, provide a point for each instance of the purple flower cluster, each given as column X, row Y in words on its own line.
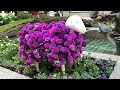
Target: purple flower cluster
column 53, row 41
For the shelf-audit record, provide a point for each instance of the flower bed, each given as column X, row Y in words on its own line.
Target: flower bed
column 86, row 68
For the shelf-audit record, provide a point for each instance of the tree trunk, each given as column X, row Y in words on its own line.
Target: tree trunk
column 116, row 32
column 118, row 48
column 117, row 36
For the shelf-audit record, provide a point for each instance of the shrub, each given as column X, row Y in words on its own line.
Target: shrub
column 8, row 48
column 23, row 15
column 6, row 18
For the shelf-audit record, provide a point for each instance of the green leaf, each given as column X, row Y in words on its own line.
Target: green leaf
column 86, row 75
column 76, row 75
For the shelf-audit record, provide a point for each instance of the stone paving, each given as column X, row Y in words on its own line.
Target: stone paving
column 8, row 74
column 116, row 73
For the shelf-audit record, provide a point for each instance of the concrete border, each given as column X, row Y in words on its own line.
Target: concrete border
column 116, row 72
column 103, row 56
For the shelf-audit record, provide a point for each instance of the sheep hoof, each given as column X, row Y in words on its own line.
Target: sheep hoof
column 70, row 77
column 38, row 70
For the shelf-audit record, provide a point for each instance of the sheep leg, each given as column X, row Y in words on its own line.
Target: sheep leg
column 63, row 71
column 37, row 67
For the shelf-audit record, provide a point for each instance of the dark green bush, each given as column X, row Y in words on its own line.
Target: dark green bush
column 7, row 21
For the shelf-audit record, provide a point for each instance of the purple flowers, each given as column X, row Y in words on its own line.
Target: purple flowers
column 53, row 41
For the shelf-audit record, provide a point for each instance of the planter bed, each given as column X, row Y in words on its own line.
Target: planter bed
column 105, row 69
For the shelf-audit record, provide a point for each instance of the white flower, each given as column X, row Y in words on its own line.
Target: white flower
column 6, row 36
column 3, row 14
column 8, row 44
column 2, row 45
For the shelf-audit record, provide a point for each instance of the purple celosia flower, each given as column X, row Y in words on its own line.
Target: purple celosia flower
column 24, row 58
column 35, row 44
column 35, row 52
column 47, row 39
column 37, row 56
column 72, row 47
column 59, row 64
column 50, row 59
column 53, row 41
column 53, row 55
column 46, row 45
column 30, row 61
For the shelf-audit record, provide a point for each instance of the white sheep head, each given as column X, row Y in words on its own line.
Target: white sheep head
column 75, row 22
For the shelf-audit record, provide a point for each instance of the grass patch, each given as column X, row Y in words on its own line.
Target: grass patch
column 13, row 24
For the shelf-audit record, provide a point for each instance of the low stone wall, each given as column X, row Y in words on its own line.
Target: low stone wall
column 12, row 32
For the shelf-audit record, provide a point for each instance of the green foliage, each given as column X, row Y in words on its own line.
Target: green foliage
column 58, row 76
column 10, row 53
column 86, row 75
column 8, row 49
column 13, row 24
column 86, row 68
column 20, row 68
column 42, row 76
column 76, row 75
column 110, row 69
column 6, row 18
column 23, row 15
column 29, row 70
column 107, row 65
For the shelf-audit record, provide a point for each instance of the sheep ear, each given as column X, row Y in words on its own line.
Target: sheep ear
column 75, row 22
